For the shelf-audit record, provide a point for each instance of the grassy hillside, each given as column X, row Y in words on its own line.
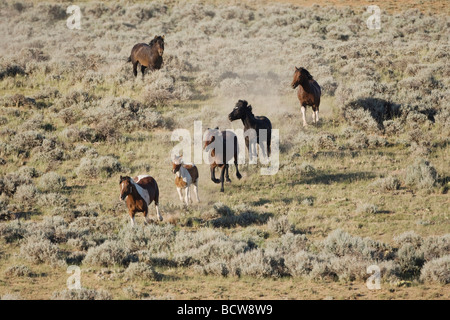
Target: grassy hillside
column 366, row 186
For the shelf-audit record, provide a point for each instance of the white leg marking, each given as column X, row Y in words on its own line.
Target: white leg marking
column 179, row 194
column 132, row 222
column 317, row 116
column 196, row 191
column 304, row 116
column 158, row 214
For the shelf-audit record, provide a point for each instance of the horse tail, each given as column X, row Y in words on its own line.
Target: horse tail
column 129, row 59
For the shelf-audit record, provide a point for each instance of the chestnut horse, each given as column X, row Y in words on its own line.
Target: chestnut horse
column 220, row 158
column 243, row 111
column 186, row 177
column 139, row 193
column 148, row 55
column 308, row 93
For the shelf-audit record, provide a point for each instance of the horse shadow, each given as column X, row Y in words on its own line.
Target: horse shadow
column 329, row 178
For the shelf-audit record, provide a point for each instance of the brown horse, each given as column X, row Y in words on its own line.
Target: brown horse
column 186, row 177
column 148, row 55
column 139, row 193
column 220, row 158
column 308, row 93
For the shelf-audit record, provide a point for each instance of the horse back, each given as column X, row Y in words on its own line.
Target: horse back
column 148, row 183
column 193, row 171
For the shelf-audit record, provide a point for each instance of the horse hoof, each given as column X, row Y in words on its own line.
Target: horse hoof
column 222, row 190
column 216, row 181
column 239, row 176
column 228, row 181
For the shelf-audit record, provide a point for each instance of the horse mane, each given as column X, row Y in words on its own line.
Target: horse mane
column 308, row 75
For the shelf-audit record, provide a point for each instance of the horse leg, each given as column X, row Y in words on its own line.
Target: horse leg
column 304, row 116
column 317, row 115
column 227, row 176
column 179, row 194
column 213, row 174
column 135, row 68
column 147, row 219
column 222, row 173
column 143, row 70
column 196, row 190
column 238, row 175
column 158, row 214
column 131, row 213
column 186, row 197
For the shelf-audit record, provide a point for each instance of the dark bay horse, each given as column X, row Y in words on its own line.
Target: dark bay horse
column 139, row 193
column 243, row 111
column 148, row 55
column 308, row 93
column 220, row 158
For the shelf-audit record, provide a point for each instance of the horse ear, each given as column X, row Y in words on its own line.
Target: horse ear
column 217, row 128
column 250, row 108
column 162, row 37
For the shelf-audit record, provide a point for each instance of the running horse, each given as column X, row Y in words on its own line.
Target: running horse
column 221, row 152
column 186, row 178
column 138, row 194
column 308, row 93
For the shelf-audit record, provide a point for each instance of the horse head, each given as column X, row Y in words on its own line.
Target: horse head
column 125, row 187
column 177, row 161
column 300, row 76
column 209, row 136
column 159, row 42
column 240, row 110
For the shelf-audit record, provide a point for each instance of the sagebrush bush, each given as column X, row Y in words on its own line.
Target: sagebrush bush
column 37, row 250
column 81, row 294
column 153, row 238
column 52, row 181
column 437, row 271
column 142, row 271
column 103, row 166
column 109, row 254
column 389, row 183
column 280, row 225
column 18, row 270
column 421, row 175
column 257, row 263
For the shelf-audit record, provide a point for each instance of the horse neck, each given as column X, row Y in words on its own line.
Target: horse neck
column 249, row 119
column 184, row 173
column 138, row 192
column 306, row 85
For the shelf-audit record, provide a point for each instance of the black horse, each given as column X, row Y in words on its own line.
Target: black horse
column 243, row 111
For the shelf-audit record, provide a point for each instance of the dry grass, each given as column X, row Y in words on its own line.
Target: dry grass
column 73, row 118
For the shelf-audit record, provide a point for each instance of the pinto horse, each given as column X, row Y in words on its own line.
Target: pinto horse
column 243, row 111
column 139, row 193
column 222, row 150
column 186, row 177
column 148, row 55
column 308, row 92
